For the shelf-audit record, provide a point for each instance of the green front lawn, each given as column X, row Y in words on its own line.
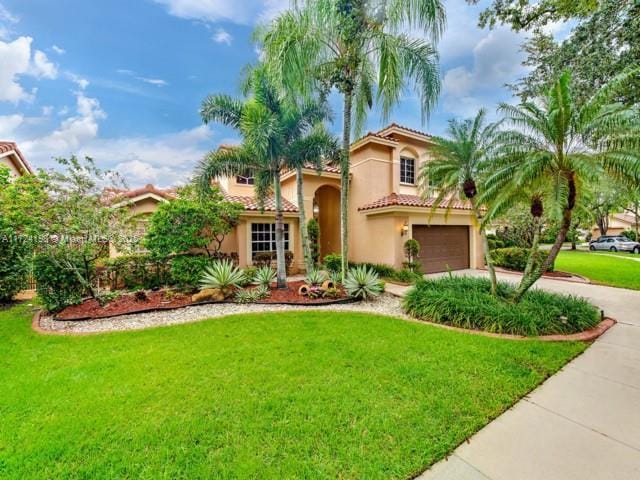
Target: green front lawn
column 617, row 270
column 293, row 395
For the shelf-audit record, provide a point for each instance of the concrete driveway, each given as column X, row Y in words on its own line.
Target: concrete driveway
column 583, row 423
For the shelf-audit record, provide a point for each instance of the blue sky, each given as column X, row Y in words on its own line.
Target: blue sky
column 122, row 80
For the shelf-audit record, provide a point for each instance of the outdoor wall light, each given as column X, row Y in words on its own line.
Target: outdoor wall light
column 405, row 229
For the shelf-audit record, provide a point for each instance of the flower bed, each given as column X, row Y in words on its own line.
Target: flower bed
column 167, row 300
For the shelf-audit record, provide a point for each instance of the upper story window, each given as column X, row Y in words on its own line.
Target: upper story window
column 407, row 170
column 245, row 179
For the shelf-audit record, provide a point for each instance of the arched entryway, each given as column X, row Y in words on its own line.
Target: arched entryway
column 326, row 209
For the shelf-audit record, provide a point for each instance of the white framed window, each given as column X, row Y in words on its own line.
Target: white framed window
column 263, row 237
column 407, row 170
column 245, row 179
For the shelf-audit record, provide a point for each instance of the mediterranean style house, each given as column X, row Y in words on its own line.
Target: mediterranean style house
column 618, row 224
column 385, row 209
column 12, row 158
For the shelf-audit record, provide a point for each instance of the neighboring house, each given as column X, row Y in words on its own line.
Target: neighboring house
column 11, row 157
column 618, row 223
column 140, row 202
column 385, row 209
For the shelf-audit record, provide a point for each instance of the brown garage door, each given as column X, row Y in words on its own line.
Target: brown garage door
column 442, row 247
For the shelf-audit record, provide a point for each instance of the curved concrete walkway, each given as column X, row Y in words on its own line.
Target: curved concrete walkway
column 583, row 423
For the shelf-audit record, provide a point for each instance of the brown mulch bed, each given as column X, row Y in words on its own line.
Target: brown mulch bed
column 162, row 300
column 555, row 274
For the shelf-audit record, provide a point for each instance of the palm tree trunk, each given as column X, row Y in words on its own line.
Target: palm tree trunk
column 534, row 247
column 302, row 219
column 344, row 180
column 487, row 253
column 281, row 268
column 528, row 280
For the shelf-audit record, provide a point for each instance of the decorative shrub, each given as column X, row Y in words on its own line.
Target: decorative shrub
column 381, row 269
column 222, row 275
column 406, row 276
column 58, row 285
column 335, row 277
column 362, row 282
column 313, row 231
column 15, row 264
column 333, row 262
column 268, row 259
column 495, row 243
column 187, row 270
column 131, row 271
column 316, row 276
column 630, row 234
column 262, row 291
column 264, row 276
column 411, row 251
column 249, row 274
column 466, row 302
column 515, row 258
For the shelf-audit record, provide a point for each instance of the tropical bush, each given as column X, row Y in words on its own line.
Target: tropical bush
column 515, row 258
column 131, row 271
column 313, row 230
column 466, row 302
column 630, row 234
column 333, row 262
column 58, row 284
column 264, row 276
column 362, row 282
column 187, row 270
column 411, row 251
column 406, row 276
column 222, row 275
column 316, row 276
column 15, row 264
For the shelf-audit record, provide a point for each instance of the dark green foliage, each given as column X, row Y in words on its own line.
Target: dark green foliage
column 58, row 283
column 495, row 243
column 406, row 276
column 186, row 270
column 466, row 302
column 313, row 229
column 411, row 249
column 14, row 267
column 131, row 271
column 515, row 258
column 630, row 234
column 333, row 262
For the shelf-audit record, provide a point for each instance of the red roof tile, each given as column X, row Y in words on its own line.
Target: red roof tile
column 325, row 168
column 251, row 203
column 403, row 200
column 110, row 195
column 401, row 127
column 6, row 147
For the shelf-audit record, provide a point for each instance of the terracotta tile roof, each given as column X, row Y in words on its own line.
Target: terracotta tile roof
column 6, row 147
column 401, row 127
column 396, row 199
column 251, row 204
column 325, row 168
column 374, row 135
column 111, row 195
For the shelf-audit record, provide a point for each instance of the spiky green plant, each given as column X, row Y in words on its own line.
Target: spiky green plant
column 264, row 276
column 262, row 291
column 335, row 277
column 315, row 276
column 362, row 282
column 362, row 49
column 223, row 275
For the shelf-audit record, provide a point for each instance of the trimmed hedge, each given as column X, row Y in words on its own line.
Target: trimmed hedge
column 467, row 302
column 515, row 258
column 57, row 285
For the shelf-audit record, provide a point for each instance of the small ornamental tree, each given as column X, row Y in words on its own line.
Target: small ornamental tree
column 411, row 251
column 313, row 228
column 191, row 222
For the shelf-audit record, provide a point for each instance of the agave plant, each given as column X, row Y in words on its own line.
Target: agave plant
column 223, row 275
column 262, row 291
column 245, row 296
column 264, row 276
column 315, row 276
column 362, row 282
column 336, row 277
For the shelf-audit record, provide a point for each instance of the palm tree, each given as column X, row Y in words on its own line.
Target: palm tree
column 357, row 47
column 457, row 165
column 277, row 136
column 556, row 142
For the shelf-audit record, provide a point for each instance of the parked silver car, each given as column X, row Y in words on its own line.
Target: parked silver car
column 618, row 243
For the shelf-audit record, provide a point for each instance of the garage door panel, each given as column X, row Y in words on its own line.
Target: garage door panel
column 442, row 247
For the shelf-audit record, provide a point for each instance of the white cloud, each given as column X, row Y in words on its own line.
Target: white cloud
column 9, row 124
column 222, row 36
column 47, row 110
column 158, row 82
column 237, row 11
column 17, row 60
column 58, row 50
column 124, row 71
column 7, row 20
column 81, row 82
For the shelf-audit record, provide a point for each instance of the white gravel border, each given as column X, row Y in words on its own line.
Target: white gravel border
column 386, row 304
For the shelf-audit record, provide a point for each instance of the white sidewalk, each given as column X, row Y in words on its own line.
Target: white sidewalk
column 581, row 424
